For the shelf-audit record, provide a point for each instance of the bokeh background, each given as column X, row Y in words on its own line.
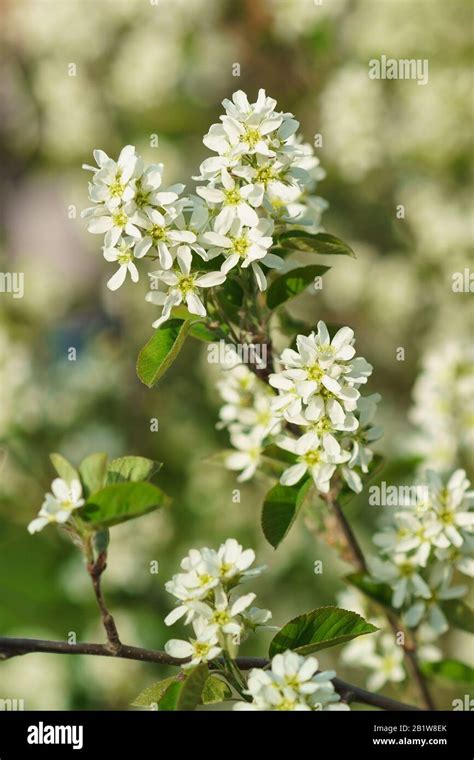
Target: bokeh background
column 145, row 69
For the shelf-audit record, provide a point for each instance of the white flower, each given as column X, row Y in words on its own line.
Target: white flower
column 181, row 285
column 111, row 183
column 312, row 458
column 323, row 374
column 403, row 577
column 450, row 508
column 161, row 235
column 203, row 648
column 237, row 202
column 234, row 561
column 147, row 183
column 429, row 609
column 387, row 665
column 411, row 534
column 124, row 254
column 58, row 506
column 245, row 246
column 224, row 615
column 247, row 129
column 248, row 455
column 114, row 222
column 291, row 684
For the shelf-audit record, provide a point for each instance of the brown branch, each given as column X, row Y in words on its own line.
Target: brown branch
column 95, row 570
column 11, row 647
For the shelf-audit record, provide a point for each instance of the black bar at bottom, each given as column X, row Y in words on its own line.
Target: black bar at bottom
column 109, row 734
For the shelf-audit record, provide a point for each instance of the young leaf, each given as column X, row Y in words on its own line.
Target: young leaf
column 292, row 283
column 169, row 700
column 378, row 592
column 93, row 472
column 215, row 690
column 280, row 508
column 161, row 350
column 154, row 693
column 319, row 629
column 119, row 502
column 134, row 469
column 64, row 468
column 185, row 694
column 320, row 242
column 191, row 689
column 451, row 670
column 459, row 615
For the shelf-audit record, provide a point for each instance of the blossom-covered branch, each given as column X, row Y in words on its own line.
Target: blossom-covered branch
column 15, row 647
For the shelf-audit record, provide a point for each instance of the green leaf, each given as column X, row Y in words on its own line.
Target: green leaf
column 135, row 469
column 191, row 689
column 159, row 353
column 292, row 283
column 215, row 690
column 459, row 615
column 119, row 502
column 319, row 629
column 280, row 508
column 93, row 472
column 451, row 670
column 200, row 331
column 169, row 700
column 321, row 242
column 64, row 468
column 154, row 693
column 378, row 592
column 185, row 694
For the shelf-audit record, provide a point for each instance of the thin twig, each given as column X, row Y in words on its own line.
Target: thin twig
column 95, row 570
column 12, row 647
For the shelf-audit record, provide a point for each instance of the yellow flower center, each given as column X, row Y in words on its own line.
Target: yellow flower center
column 116, row 188
column 311, row 458
column 240, row 246
column 232, row 197
column 252, row 136
column 157, row 233
column 120, row 219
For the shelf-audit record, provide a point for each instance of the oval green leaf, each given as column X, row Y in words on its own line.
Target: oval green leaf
column 159, row 353
column 135, row 469
column 320, row 242
column 280, row 508
column 319, row 629
column 450, row 670
column 93, row 472
column 120, row 502
column 64, row 468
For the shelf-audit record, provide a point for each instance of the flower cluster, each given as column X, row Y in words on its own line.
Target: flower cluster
column 318, row 391
column 261, row 173
column 208, row 597
column 423, row 547
column 292, row 683
column 248, row 415
column 443, row 407
column 59, row 505
column 380, row 654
